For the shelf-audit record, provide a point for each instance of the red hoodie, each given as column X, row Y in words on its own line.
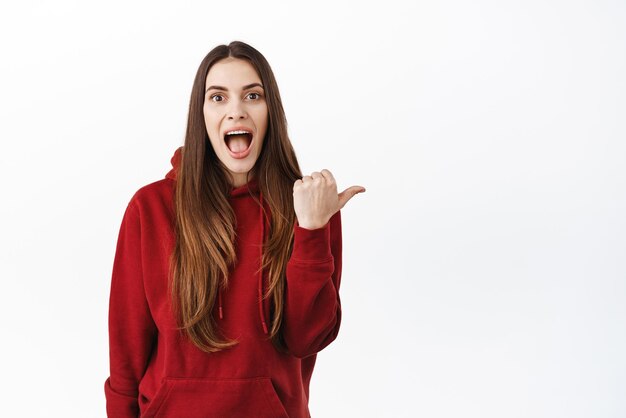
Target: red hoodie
column 156, row 372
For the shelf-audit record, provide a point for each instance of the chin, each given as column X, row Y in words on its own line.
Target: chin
column 240, row 169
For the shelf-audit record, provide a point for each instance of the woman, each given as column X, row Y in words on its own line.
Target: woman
column 226, row 274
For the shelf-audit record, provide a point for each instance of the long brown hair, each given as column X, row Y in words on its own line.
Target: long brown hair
column 205, row 221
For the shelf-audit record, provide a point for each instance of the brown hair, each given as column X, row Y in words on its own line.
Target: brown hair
column 205, row 221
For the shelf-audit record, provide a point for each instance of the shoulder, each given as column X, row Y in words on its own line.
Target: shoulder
column 153, row 190
column 156, row 194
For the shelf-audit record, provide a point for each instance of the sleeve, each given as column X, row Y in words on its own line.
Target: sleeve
column 132, row 330
column 312, row 304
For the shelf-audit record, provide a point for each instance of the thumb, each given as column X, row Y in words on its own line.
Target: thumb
column 349, row 194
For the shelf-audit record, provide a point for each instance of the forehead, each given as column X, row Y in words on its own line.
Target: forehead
column 232, row 73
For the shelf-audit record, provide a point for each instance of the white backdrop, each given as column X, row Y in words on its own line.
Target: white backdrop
column 484, row 272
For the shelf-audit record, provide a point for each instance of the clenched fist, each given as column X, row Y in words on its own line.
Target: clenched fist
column 315, row 199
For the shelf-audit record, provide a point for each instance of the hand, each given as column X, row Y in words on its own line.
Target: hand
column 315, row 198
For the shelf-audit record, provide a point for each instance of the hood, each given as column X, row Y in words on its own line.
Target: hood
column 175, row 160
column 238, row 192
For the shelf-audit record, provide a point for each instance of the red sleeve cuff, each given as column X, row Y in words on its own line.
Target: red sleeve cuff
column 311, row 245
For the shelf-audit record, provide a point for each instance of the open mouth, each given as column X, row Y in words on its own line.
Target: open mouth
column 238, row 141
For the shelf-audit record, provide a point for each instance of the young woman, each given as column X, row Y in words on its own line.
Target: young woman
column 226, row 275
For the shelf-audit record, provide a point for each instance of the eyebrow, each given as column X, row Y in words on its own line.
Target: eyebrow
column 246, row 87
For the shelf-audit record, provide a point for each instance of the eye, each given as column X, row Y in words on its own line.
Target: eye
column 254, row 96
column 216, row 96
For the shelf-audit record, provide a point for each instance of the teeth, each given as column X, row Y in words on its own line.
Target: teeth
column 237, row 132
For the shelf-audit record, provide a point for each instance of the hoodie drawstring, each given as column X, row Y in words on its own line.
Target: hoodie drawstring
column 219, row 295
column 173, row 174
column 260, row 281
column 261, row 300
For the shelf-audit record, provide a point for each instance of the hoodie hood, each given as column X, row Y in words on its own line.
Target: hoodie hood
column 175, row 160
column 243, row 191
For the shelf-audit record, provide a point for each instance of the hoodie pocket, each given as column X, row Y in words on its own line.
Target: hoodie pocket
column 179, row 397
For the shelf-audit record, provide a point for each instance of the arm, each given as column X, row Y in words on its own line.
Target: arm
column 132, row 330
column 312, row 304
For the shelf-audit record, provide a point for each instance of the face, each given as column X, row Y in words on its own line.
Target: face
column 235, row 115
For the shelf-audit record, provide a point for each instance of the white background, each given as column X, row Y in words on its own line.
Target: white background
column 484, row 271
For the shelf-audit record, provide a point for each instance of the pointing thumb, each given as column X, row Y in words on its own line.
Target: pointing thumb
column 349, row 194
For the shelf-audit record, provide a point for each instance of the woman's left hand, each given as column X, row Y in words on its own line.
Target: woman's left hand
column 315, row 198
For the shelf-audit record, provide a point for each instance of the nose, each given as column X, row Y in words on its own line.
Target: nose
column 236, row 110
